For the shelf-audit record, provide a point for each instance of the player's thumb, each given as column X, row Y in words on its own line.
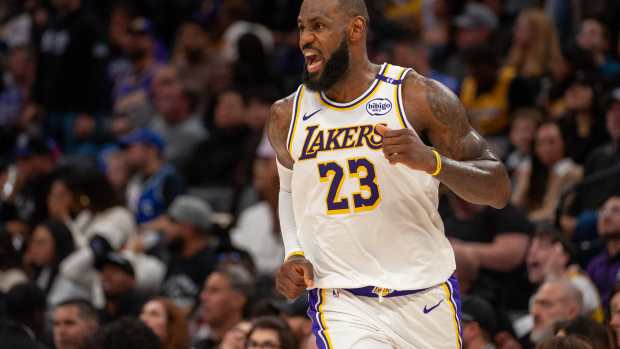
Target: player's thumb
column 381, row 129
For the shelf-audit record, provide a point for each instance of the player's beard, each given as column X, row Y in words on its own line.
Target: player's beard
column 335, row 69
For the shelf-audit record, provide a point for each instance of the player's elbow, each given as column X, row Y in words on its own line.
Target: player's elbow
column 501, row 194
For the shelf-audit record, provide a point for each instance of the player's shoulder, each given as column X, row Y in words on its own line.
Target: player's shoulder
column 418, row 85
column 283, row 107
column 279, row 122
column 425, row 97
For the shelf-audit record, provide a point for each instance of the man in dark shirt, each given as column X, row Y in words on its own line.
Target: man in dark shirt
column 602, row 170
column 71, row 57
column 492, row 244
column 118, row 281
column 22, row 327
column 192, row 251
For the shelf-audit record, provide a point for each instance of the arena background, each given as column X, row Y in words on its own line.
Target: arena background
column 134, row 165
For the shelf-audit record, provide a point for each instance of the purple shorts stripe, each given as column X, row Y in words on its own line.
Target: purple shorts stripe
column 455, row 299
column 315, row 301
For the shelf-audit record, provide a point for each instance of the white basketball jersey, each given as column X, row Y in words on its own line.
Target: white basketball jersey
column 361, row 220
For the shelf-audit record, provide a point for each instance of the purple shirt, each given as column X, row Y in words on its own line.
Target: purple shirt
column 603, row 270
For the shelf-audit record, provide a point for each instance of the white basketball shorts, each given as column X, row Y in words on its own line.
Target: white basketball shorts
column 373, row 318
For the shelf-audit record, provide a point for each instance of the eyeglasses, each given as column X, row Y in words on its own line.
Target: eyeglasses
column 262, row 345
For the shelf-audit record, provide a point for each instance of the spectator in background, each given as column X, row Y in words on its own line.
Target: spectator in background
column 252, row 67
column 220, row 162
column 236, row 337
column 614, row 315
column 16, row 85
column 260, row 100
column 71, row 51
column 168, row 322
column 125, row 333
column 587, row 329
column 522, row 130
column 593, row 36
column 11, row 273
column 604, row 268
column 224, row 300
column 541, row 181
column 50, row 243
column 84, row 199
column 484, row 93
column 191, row 57
column 155, row 183
column 257, row 230
column 479, row 323
column 192, row 250
column 118, row 281
column 295, row 314
column 132, row 93
column 24, row 323
column 600, row 171
column 74, row 322
column 535, row 54
column 119, row 41
column 270, row 332
column 113, row 163
column 415, row 54
column 549, row 257
column 27, row 183
column 568, row 342
column 493, row 244
column 474, row 27
column 176, row 120
column 607, row 155
column 554, row 301
column 581, row 124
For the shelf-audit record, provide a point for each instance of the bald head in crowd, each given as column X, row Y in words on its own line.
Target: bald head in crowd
column 555, row 301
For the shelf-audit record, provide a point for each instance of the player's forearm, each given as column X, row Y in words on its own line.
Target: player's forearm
column 483, row 182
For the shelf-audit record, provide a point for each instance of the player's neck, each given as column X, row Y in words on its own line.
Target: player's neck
column 358, row 78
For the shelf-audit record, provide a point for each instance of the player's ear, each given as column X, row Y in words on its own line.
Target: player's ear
column 357, row 29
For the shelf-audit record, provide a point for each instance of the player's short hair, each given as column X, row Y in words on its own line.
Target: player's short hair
column 85, row 308
column 355, row 8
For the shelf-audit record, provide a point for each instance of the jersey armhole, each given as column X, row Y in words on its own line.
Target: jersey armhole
column 295, row 115
column 399, row 99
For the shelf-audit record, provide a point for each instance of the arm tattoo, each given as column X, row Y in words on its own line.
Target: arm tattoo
column 459, row 139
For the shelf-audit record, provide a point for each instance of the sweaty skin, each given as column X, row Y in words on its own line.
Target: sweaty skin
column 469, row 168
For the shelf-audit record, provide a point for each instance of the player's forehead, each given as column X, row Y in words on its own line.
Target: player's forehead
column 312, row 10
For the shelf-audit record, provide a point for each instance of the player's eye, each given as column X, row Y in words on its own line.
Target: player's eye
column 319, row 26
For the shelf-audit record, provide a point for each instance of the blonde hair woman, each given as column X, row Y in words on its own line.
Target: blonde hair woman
column 535, row 47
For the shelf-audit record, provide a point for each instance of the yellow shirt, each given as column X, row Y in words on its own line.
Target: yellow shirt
column 488, row 112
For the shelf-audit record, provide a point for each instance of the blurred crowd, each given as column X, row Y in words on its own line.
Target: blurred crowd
column 138, row 192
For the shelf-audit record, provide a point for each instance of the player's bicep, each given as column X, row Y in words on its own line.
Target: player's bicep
column 277, row 130
column 449, row 129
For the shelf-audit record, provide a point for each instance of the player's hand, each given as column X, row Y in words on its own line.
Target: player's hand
column 294, row 277
column 405, row 146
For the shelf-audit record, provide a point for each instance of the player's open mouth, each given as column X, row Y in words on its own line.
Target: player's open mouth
column 313, row 62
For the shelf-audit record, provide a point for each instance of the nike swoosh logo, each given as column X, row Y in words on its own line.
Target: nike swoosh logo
column 308, row 116
column 428, row 310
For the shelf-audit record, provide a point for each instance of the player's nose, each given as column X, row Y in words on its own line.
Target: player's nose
column 305, row 39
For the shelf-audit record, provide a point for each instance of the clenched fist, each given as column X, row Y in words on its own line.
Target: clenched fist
column 294, row 277
column 405, row 146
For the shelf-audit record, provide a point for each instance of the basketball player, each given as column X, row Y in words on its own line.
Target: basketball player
column 358, row 189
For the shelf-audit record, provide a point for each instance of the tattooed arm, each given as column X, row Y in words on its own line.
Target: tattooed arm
column 469, row 168
column 277, row 129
